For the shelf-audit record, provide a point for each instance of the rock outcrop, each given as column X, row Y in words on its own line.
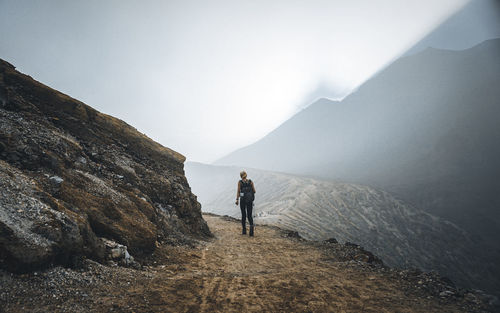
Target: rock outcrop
column 71, row 176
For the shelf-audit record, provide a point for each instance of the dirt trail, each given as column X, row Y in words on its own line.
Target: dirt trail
column 231, row 273
column 270, row 273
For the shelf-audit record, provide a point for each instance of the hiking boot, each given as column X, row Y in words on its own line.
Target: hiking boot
column 251, row 230
column 244, row 232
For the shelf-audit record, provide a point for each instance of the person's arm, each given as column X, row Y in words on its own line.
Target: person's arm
column 238, row 193
column 253, row 187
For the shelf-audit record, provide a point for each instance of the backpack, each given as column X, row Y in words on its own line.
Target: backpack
column 247, row 191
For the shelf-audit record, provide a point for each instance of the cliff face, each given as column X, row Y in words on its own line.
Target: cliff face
column 70, row 175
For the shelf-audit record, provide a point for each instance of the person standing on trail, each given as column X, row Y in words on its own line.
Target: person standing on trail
column 246, row 191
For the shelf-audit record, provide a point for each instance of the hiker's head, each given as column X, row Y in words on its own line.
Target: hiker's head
column 243, row 174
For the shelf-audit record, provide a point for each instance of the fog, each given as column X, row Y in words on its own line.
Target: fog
column 205, row 78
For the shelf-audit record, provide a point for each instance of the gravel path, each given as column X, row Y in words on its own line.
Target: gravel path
column 230, row 273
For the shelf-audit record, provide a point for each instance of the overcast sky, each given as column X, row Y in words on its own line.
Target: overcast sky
column 207, row 77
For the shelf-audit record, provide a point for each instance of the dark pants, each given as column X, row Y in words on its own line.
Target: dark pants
column 246, row 211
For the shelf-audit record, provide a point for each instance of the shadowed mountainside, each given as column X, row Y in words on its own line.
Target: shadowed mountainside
column 71, row 176
column 399, row 234
column 425, row 128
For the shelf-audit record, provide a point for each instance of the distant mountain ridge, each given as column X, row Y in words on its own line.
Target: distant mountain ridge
column 475, row 22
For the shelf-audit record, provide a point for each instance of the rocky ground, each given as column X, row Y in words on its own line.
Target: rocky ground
column 275, row 271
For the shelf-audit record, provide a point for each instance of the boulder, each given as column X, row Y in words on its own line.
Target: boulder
column 32, row 234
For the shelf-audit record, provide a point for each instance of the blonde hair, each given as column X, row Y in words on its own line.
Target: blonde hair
column 243, row 174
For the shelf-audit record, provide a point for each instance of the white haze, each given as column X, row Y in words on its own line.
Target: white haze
column 205, row 78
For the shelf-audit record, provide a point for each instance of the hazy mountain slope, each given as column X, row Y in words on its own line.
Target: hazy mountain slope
column 475, row 22
column 401, row 235
column 425, row 128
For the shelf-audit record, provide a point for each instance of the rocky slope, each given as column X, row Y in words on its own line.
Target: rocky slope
column 401, row 235
column 77, row 183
